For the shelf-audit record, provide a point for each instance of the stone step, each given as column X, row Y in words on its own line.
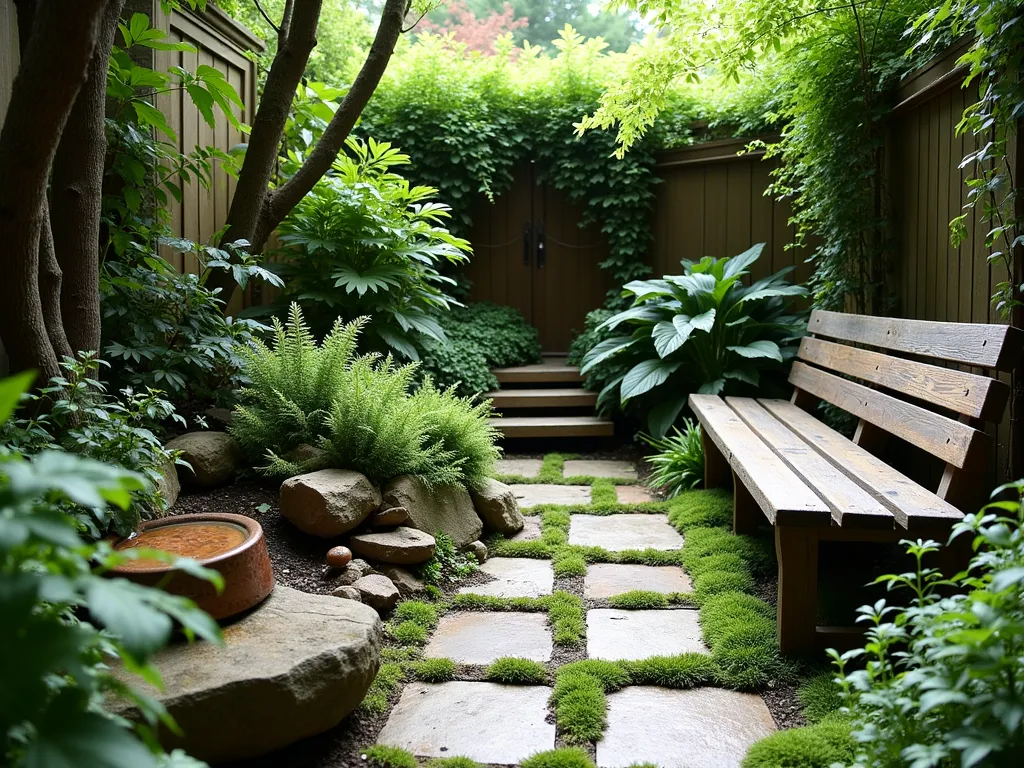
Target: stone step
column 552, row 371
column 554, row 426
column 568, row 397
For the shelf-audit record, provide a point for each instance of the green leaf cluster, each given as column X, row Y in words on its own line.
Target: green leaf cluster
column 703, row 331
column 679, row 461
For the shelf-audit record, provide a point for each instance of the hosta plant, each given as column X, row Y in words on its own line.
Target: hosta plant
column 702, row 331
column 365, row 243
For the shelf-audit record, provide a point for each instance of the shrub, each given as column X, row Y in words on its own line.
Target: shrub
column 357, row 410
column 517, row 671
column 679, row 461
column 939, row 679
column 702, row 331
column 381, row 241
column 458, row 364
column 434, row 670
column 62, row 620
column 816, row 746
column 701, row 509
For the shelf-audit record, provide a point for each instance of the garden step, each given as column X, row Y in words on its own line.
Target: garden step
column 552, row 371
column 554, row 426
column 543, row 398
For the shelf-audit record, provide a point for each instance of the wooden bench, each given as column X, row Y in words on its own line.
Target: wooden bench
column 813, row 484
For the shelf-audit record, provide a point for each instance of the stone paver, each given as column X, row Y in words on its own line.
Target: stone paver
column 480, row 638
column 521, row 467
column 486, row 722
column 542, row 493
column 599, row 468
column 698, row 728
column 619, row 635
column 607, row 579
column 618, row 532
column 632, row 494
column 515, row 577
column 531, row 530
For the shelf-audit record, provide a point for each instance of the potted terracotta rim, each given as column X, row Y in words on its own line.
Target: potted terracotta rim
column 232, row 545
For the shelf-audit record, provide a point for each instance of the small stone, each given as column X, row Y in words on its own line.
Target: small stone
column 212, row 458
column 348, row 593
column 445, row 508
column 328, row 503
column 407, row 582
column 355, row 571
column 479, row 550
column 378, row 592
column 339, row 557
column 389, row 518
column 496, row 505
column 402, row 546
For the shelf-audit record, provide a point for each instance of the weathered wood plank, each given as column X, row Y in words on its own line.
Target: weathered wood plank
column 979, row 344
column 961, row 392
column 569, row 397
column 851, row 505
column 553, row 426
column 784, row 497
column 914, row 507
column 953, row 442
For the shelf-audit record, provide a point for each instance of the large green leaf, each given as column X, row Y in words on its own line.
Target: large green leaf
column 603, row 350
column 666, row 339
column 695, row 285
column 759, row 349
column 645, row 312
column 664, row 415
column 120, row 606
column 645, row 376
column 647, row 288
column 738, row 264
column 782, row 290
column 375, row 278
column 80, row 739
column 11, row 390
column 704, row 321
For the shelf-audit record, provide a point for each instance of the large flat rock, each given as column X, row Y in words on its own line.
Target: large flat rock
column 531, row 530
column 328, row 503
column 605, row 580
column 292, row 668
column 515, row 577
column 618, row 635
column 480, row 638
column 622, row 470
column 698, row 728
column 543, row 493
column 520, row 467
column 486, row 722
column 444, row 509
column 402, row 546
column 618, row 532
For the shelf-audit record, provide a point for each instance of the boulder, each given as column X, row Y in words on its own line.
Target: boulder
column 348, row 593
column 402, row 546
column 407, row 582
column 389, row 518
column 445, row 509
column 222, row 416
column 291, row 669
column 497, row 506
column 308, row 455
column 354, row 571
column 212, row 456
column 329, row 502
column 378, row 592
column 168, row 483
column 478, row 550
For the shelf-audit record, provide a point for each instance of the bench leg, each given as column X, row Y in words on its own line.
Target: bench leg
column 797, row 552
column 717, row 472
column 746, row 513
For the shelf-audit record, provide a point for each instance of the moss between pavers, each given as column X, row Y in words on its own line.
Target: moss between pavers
column 513, row 671
column 551, row 470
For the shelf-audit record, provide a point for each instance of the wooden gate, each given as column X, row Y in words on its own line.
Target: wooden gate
column 530, row 253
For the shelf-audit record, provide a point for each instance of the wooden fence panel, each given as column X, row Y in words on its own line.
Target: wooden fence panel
column 9, row 56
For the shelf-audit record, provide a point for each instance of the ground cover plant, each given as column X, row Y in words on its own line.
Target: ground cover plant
column 358, row 412
column 679, row 461
column 703, row 331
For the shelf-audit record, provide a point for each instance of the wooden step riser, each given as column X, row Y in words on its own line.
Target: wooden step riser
column 552, row 376
column 512, row 400
column 554, row 426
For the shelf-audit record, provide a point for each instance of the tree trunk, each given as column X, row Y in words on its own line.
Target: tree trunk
column 77, row 192
column 257, row 211
column 50, row 280
column 53, row 69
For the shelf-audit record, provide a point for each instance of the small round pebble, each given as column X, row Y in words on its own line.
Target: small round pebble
column 339, row 557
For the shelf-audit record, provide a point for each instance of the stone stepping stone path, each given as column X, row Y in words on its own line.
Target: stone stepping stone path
column 504, row 724
column 515, row 577
column 618, row 532
column 604, row 580
column 480, row 638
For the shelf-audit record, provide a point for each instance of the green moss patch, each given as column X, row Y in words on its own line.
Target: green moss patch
column 389, row 676
column 567, row 757
column 565, row 612
column 517, row 671
column 816, row 746
column 381, row 756
column 433, row 670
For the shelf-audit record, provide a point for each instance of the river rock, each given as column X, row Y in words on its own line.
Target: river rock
column 407, row 582
column 339, row 557
column 167, row 483
column 388, row 518
column 378, row 592
column 479, row 550
column 291, row 669
column 329, row 502
column 212, row 458
column 445, row 509
column 348, row 593
column 354, row 571
column 402, row 546
column 496, row 505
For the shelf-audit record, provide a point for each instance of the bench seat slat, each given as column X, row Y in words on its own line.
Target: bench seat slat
column 784, row 497
column 852, row 506
column 966, row 393
column 950, row 440
column 914, row 507
column 977, row 344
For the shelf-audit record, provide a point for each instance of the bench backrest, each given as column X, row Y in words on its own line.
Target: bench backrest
column 954, row 404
